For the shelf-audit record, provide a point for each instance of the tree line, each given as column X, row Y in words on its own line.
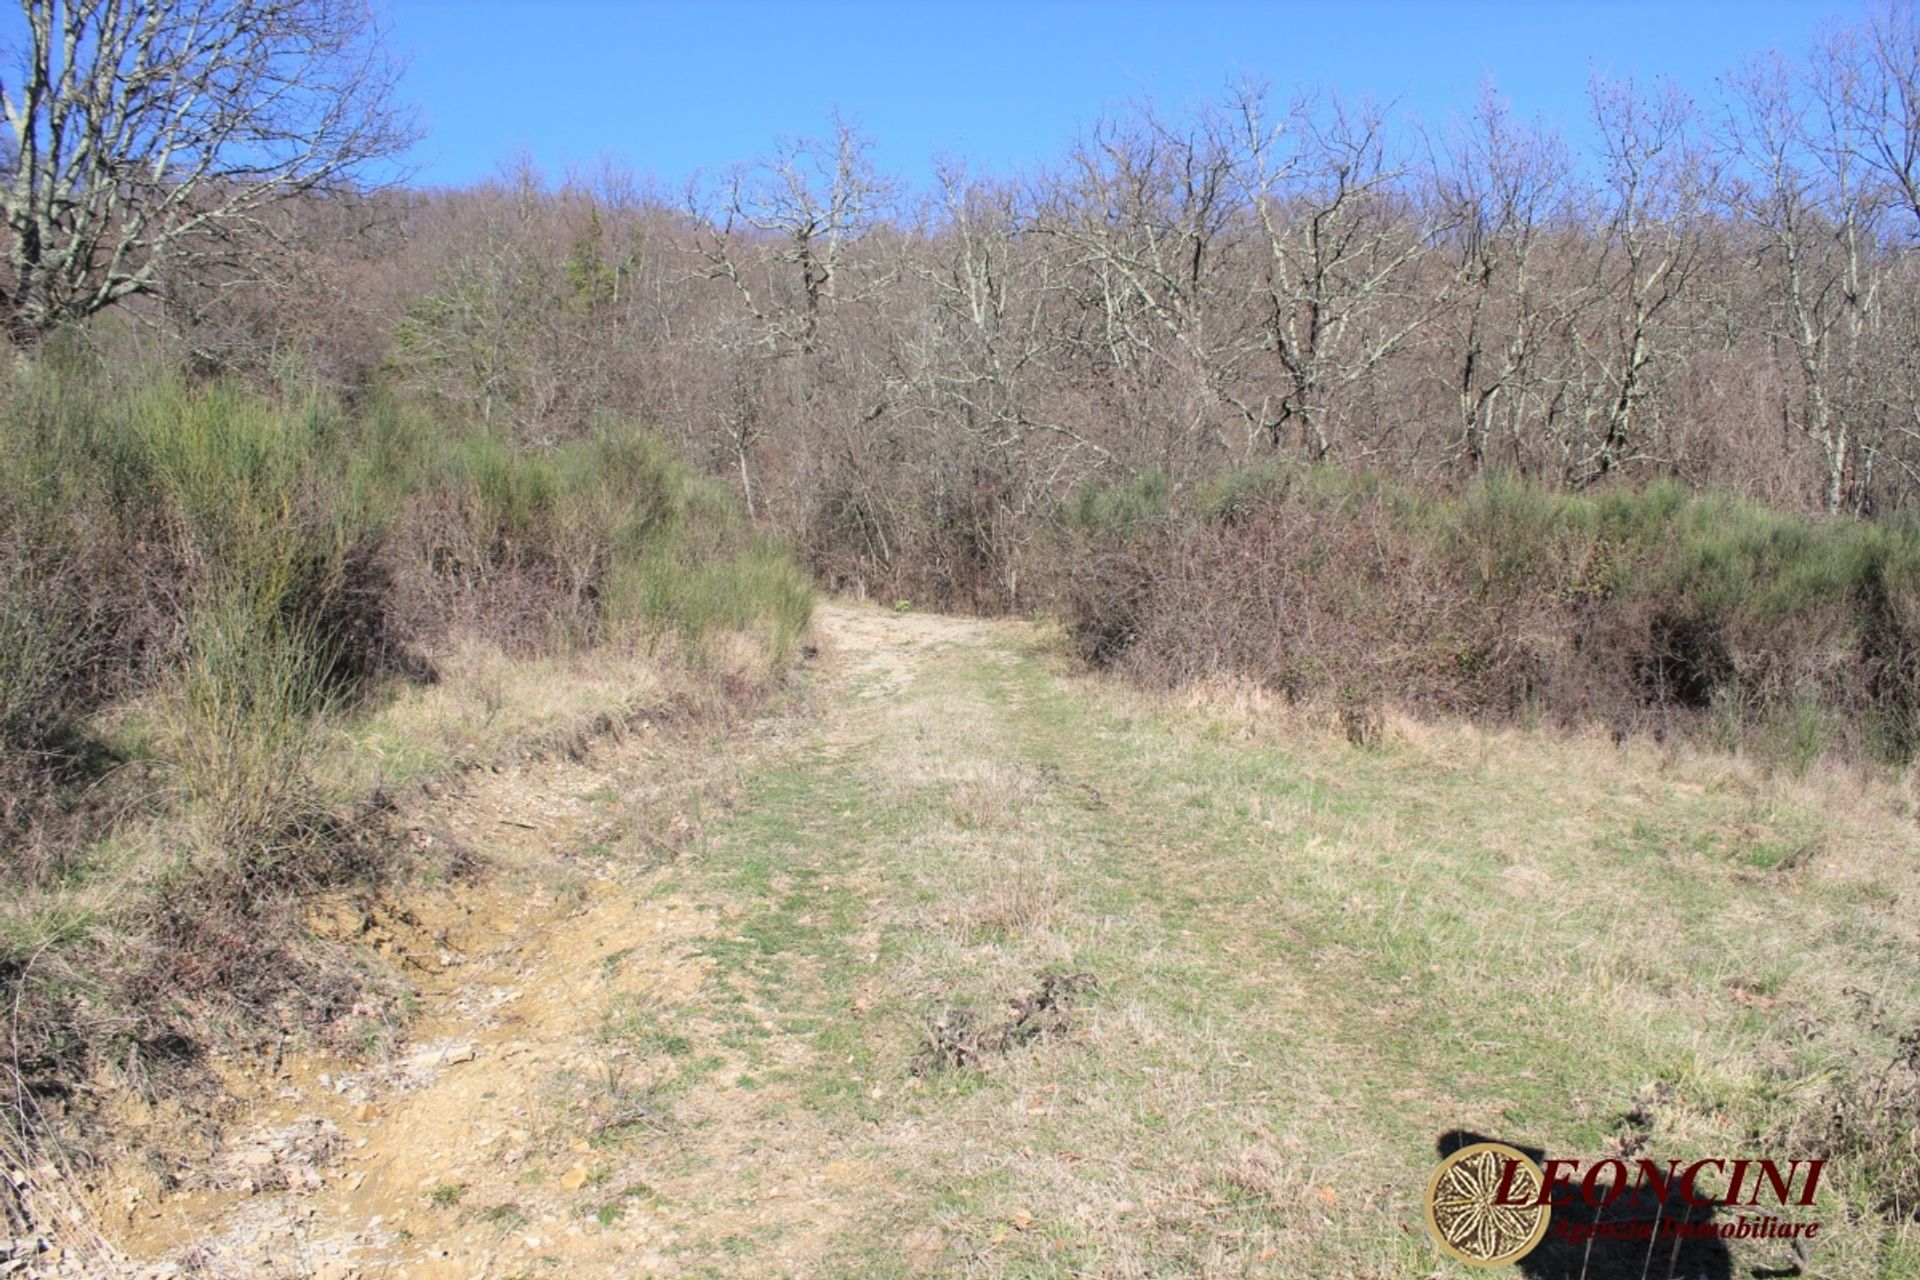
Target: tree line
column 1717, row 289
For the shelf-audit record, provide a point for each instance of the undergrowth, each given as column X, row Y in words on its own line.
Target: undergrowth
column 1646, row 610
column 203, row 589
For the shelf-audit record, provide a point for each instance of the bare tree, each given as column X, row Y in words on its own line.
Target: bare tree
column 145, row 132
column 1144, row 219
column 1652, row 188
column 1506, row 184
column 1808, row 189
column 1869, row 80
column 1880, row 103
column 780, row 232
column 808, row 202
column 1341, row 243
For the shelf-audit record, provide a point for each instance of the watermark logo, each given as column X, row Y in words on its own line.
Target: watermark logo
column 1490, row 1203
column 1485, row 1205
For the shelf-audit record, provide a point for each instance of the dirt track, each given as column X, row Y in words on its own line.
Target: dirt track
column 470, row 1153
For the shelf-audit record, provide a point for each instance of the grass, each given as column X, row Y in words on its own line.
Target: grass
column 506, row 1218
column 1311, row 960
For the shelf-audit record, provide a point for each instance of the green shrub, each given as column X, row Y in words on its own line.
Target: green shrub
column 760, row 589
column 262, row 560
column 609, row 536
column 1120, row 507
column 246, row 717
column 1499, row 530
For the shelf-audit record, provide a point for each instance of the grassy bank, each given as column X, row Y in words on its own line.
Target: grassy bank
column 229, row 622
column 1654, row 610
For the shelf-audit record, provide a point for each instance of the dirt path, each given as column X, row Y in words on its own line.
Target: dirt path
column 976, row 966
column 518, row 1131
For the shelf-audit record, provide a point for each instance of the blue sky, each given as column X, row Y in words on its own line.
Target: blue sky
column 670, row 88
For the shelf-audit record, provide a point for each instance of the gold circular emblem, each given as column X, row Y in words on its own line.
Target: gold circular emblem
column 1464, row 1206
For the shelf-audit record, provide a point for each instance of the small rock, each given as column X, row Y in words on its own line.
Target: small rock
column 444, row 1055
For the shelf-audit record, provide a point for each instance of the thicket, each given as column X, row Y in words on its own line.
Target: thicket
column 1649, row 610
column 199, row 583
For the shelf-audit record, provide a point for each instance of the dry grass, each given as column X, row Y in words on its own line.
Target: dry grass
column 1315, row 957
column 489, row 703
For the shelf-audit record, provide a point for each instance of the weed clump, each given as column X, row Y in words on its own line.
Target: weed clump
column 1868, row 1124
column 957, row 1037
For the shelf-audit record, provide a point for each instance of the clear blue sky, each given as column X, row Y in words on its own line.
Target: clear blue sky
column 669, row 88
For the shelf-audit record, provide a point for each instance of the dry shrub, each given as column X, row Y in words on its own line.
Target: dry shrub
column 1867, row 1122
column 1110, row 599
column 1649, row 611
column 219, row 940
column 941, row 531
column 958, row 1037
